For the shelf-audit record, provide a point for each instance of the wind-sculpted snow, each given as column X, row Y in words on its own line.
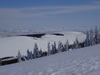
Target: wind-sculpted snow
column 9, row 46
column 84, row 61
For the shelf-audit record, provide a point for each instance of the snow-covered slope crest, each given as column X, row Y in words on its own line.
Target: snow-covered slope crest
column 84, row 61
column 9, row 46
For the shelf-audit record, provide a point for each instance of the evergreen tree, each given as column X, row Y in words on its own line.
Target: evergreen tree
column 96, row 35
column 36, row 52
column 87, row 41
column 54, row 50
column 29, row 54
column 19, row 56
column 40, row 53
column 76, row 43
column 49, row 48
column 60, row 47
column 92, row 42
column 55, row 46
column 24, row 58
column 66, row 46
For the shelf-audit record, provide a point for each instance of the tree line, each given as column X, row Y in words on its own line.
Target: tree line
column 92, row 38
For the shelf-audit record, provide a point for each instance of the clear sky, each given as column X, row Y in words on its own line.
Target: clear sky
column 49, row 15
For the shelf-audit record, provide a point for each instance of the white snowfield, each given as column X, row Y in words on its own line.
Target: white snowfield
column 83, row 61
column 9, row 46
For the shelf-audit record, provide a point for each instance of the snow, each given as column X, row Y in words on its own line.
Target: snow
column 9, row 46
column 83, row 61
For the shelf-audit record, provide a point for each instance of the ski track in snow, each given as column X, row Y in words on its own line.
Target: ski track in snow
column 79, row 67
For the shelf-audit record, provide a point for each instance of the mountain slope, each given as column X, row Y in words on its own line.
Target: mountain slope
column 9, row 46
column 84, row 61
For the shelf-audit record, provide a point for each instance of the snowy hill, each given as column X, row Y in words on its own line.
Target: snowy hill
column 9, row 46
column 83, row 61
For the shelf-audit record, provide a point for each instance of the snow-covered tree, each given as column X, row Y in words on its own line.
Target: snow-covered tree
column 55, row 46
column 87, row 41
column 49, row 48
column 24, row 58
column 76, row 43
column 66, row 46
column 36, row 52
column 29, row 54
column 96, row 35
column 60, row 47
column 52, row 51
column 19, row 56
column 92, row 42
column 40, row 53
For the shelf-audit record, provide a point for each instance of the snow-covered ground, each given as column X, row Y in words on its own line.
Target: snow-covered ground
column 84, row 61
column 9, row 46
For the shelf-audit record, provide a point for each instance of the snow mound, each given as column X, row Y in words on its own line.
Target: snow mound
column 9, row 46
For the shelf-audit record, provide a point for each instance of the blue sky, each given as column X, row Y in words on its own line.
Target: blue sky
column 32, row 3
column 49, row 15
